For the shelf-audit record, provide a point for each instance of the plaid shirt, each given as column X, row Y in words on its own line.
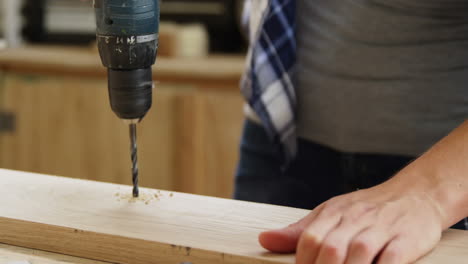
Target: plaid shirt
column 268, row 84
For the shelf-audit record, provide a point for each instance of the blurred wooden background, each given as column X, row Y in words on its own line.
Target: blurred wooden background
column 64, row 124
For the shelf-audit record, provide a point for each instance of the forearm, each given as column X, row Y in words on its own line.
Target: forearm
column 441, row 173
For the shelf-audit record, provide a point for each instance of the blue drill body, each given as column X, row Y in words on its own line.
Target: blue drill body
column 127, row 17
column 127, row 37
column 127, row 33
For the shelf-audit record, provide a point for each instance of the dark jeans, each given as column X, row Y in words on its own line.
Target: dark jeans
column 318, row 173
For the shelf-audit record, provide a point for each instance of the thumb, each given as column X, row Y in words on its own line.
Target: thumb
column 285, row 240
column 282, row 240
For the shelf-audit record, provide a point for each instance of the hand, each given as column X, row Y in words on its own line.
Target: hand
column 385, row 224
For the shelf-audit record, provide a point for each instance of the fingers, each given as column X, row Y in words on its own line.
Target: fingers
column 365, row 246
column 282, row 240
column 285, row 240
column 346, row 231
column 352, row 236
column 393, row 252
column 313, row 236
column 334, row 248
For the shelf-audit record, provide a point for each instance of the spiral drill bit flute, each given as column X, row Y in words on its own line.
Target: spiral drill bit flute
column 127, row 37
column 134, row 155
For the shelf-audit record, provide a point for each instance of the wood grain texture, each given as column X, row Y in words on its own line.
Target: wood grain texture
column 87, row 219
column 207, row 146
column 12, row 254
column 65, row 126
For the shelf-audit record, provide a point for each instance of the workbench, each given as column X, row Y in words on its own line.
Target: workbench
column 18, row 255
column 102, row 221
column 63, row 123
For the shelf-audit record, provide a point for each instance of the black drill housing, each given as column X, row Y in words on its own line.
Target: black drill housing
column 127, row 37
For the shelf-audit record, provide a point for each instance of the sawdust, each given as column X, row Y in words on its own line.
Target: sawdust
column 145, row 198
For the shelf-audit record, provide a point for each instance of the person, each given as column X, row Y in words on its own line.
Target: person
column 351, row 107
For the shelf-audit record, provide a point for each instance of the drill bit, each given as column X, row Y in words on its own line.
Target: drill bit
column 133, row 151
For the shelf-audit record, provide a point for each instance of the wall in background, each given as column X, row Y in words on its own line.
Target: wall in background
column 72, row 21
column 56, row 102
column 2, row 12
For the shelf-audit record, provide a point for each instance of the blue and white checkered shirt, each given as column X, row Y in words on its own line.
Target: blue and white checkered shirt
column 268, row 83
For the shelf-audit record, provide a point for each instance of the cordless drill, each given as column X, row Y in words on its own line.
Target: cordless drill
column 127, row 37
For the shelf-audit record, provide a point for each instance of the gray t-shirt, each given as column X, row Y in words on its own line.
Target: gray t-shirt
column 381, row 76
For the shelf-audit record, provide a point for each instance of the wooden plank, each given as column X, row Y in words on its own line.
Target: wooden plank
column 452, row 249
column 12, row 254
column 87, row 219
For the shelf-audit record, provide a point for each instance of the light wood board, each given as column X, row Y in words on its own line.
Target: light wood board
column 93, row 220
column 12, row 254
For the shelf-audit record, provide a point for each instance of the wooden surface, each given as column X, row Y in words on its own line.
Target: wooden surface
column 217, row 71
column 206, row 158
column 64, row 124
column 12, row 255
column 98, row 221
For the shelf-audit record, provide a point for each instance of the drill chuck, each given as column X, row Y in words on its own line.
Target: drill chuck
column 130, row 92
column 127, row 37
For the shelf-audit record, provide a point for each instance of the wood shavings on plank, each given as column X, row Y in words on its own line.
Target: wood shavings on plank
column 145, row 197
